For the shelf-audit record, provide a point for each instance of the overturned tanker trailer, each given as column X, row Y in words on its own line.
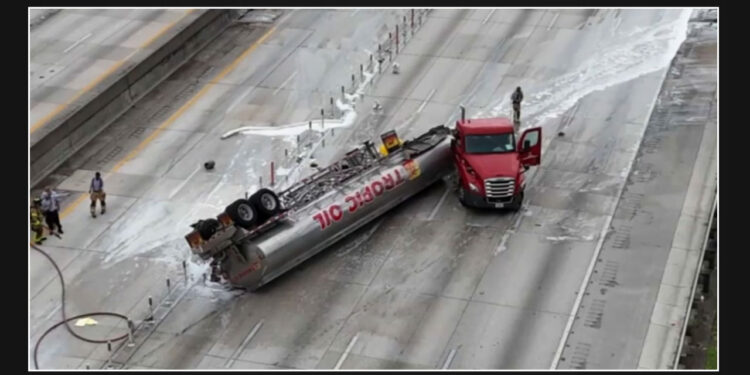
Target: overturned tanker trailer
column 257, row 239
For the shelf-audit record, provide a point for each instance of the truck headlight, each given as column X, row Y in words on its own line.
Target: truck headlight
column 473, row 187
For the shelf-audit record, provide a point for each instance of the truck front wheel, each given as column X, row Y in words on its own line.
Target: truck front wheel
column 461, row 194
column 517, row 202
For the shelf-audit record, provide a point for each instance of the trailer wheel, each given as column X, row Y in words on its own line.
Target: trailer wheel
column 243, row 213
column 266, row 203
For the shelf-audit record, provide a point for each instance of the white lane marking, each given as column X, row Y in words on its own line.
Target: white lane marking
column 182, row 184
column 421, row 107
column 79, row 41
column 448, row 360
column 346, row 352
column 488, row 16
column 501, row 247
column 53, row 312
column 231, row 107
column 600, row 242
column 239, row 350
column 553, row 21
column 695, row 284
column 285, row 82
column 440, row 203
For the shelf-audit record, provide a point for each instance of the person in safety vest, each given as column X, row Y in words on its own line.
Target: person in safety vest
column 36, row 221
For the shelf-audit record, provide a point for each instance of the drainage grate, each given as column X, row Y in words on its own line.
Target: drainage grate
column 595, row 314
column 608, row 276
column 580, row 355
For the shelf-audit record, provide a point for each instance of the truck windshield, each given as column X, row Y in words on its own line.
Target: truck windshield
column 490, row 143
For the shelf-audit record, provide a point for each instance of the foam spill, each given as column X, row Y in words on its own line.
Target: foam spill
column 642, row 51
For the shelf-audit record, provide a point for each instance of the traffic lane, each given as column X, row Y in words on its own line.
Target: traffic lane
column 546, row 257
column 671, row 162
column 77, row 40
column 138, row 214
column 301, row 311
column 186, row 130
column 90, row 287
column 344, row 340
column 64, row 64
column 432, row 78
column 290, row 352
column 409, row 311
column 388, row 342
column 261, row 104
column 414, row 267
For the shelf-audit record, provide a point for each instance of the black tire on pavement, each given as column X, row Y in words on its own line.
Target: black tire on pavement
column 242, row 213
column 266, row 203
column 517, row 202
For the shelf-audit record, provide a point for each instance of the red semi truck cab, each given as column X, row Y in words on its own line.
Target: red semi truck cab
column 490, row 163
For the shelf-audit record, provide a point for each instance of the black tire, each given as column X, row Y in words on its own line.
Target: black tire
column 242, row 213
column 207, row 228
column 460, row 192
column 517, row 202
column 266, row 204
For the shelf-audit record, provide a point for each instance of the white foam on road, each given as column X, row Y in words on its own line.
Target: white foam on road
column 570, row 238
column 625, row 57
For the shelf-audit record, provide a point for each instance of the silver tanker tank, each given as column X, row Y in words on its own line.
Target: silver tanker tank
column 326, row 207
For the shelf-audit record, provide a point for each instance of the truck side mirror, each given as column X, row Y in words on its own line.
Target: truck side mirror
column 526, row 145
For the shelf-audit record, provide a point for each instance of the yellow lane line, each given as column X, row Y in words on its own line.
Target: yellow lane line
column 176, row 115
column 102, row 76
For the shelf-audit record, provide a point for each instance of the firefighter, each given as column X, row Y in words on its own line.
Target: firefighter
column 96, row 190
column 517, row 97
column 36, row 222
column 51, row 208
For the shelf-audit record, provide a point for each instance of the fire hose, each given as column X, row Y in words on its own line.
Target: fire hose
column 66, row 319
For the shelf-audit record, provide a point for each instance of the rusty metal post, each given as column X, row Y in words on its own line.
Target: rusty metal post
column 396, row 38
column 150, row 309
column 412, row 22
column 131, row 329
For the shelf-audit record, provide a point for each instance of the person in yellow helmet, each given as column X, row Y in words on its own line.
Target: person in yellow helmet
column 36, row 221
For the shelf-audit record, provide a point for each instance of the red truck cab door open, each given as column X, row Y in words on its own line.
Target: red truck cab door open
column 530, row 147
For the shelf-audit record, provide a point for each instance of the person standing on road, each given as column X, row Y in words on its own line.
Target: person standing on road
column 51, row 209
column 96, row 190
column 517, row 97
column 36, row 222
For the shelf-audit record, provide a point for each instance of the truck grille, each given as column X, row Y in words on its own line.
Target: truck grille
column 499, row 187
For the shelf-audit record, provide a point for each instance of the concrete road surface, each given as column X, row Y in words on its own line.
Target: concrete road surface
column 430, row 284
column 74, row 50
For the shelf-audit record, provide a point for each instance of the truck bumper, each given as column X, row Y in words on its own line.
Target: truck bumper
column 472, row 199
